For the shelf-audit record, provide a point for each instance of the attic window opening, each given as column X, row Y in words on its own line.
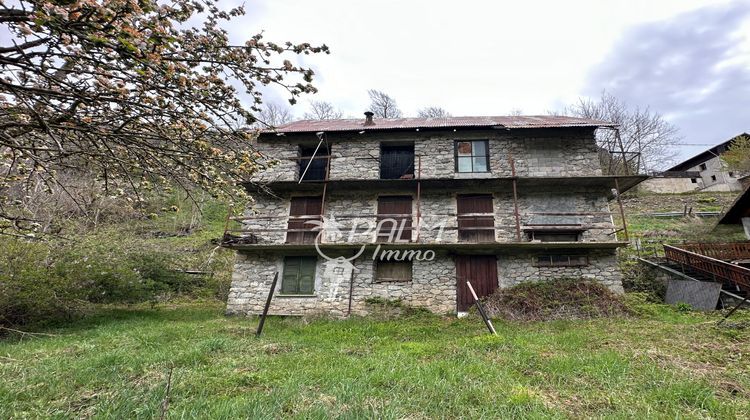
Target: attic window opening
column 702, row 167
column 319, row 165
column 397, row 161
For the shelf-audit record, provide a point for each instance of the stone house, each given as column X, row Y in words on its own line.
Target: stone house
column 705, row 171
column 413, row 208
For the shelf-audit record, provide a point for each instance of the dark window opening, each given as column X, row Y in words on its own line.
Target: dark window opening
column 394, row 214
column 476, row 218
column 317, row 169
column 558, row 260
column 731, row 174
column 546, row 236
column 303, row 213
column 693, row 180
column 397, row 162
column 472, row 156
column 299, row 276
column 713, row 177
column 702, row 167
column 395, row 271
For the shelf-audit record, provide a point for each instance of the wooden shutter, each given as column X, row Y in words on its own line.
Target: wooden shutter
column 476, row 218
column 398, row 208
column 299, row 275
column 301, row 211
column 393, row 271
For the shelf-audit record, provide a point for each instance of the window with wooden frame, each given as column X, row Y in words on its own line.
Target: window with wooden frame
column 393, row 271
column 472, row 156
column 394, row 214
column 561, row 260
column 302, row 211
column 298, row 276
column 476, row 218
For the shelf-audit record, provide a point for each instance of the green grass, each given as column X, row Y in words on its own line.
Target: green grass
column 115, row 364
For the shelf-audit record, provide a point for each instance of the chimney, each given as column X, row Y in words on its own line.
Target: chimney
column 368, row 118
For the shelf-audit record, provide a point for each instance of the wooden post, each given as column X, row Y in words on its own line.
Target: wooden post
column 480, row 308
column 419, row 196
column 515, row 197
column 268, row 304
column 622, row 210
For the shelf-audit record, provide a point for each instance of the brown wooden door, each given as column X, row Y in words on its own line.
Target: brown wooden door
column 301, row 211
column 398, row 208
column 476, row 218
column 481, row 271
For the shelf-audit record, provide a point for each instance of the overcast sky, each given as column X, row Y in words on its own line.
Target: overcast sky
column 688, row 59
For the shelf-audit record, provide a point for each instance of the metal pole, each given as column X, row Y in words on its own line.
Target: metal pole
column 268, row 304
column 732, row 311
column 480, row 308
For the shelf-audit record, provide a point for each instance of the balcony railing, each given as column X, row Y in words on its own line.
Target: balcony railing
column 425, row 228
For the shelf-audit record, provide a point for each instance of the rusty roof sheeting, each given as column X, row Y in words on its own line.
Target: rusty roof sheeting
column 535, row 121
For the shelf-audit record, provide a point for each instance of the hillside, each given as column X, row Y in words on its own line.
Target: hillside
column 662, row 363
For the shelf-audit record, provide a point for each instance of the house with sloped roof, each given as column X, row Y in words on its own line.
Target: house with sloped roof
column 415, row 209
column 702, row 172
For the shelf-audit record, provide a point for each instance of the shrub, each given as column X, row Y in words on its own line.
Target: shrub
column 554, row 299
column 31, row 290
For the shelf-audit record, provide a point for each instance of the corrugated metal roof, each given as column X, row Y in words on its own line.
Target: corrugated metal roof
column 536, row 121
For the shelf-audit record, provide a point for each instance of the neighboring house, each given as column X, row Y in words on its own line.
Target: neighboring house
column 703, row 172
column 413, row 208
column 739, row 213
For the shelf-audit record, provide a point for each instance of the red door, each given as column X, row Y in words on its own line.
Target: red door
column 301, row 211
column 481, row 271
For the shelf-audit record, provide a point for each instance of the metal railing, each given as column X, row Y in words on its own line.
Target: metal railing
column 727, row 251
column 717, row 269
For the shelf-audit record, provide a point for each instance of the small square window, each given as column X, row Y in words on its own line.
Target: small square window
column 693, row 180
column 472, row 156
column 713, row 177
column 393, row 271
column 731, row 174
column 702, row 166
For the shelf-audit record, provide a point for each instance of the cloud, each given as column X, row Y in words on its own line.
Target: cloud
column 694, row 68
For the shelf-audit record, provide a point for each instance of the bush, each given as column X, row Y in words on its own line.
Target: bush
column 554, row 299
column 31, row 289
column 639, row 279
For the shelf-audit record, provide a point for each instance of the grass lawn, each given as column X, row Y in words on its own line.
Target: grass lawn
column 115, row 364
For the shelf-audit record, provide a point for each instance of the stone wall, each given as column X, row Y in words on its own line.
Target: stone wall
column 432, row 287
column 536, row 153
column 433, row 284
column 602, row 267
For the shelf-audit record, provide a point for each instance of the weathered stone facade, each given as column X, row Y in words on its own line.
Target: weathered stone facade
column 356, row 156
column 432, row 287
column 433, row 284
column 536, row 153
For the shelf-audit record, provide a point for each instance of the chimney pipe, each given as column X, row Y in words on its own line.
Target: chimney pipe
column 368, row 118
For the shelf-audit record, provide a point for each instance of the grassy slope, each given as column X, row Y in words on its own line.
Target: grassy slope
column 653, row 231
column 115, row 364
